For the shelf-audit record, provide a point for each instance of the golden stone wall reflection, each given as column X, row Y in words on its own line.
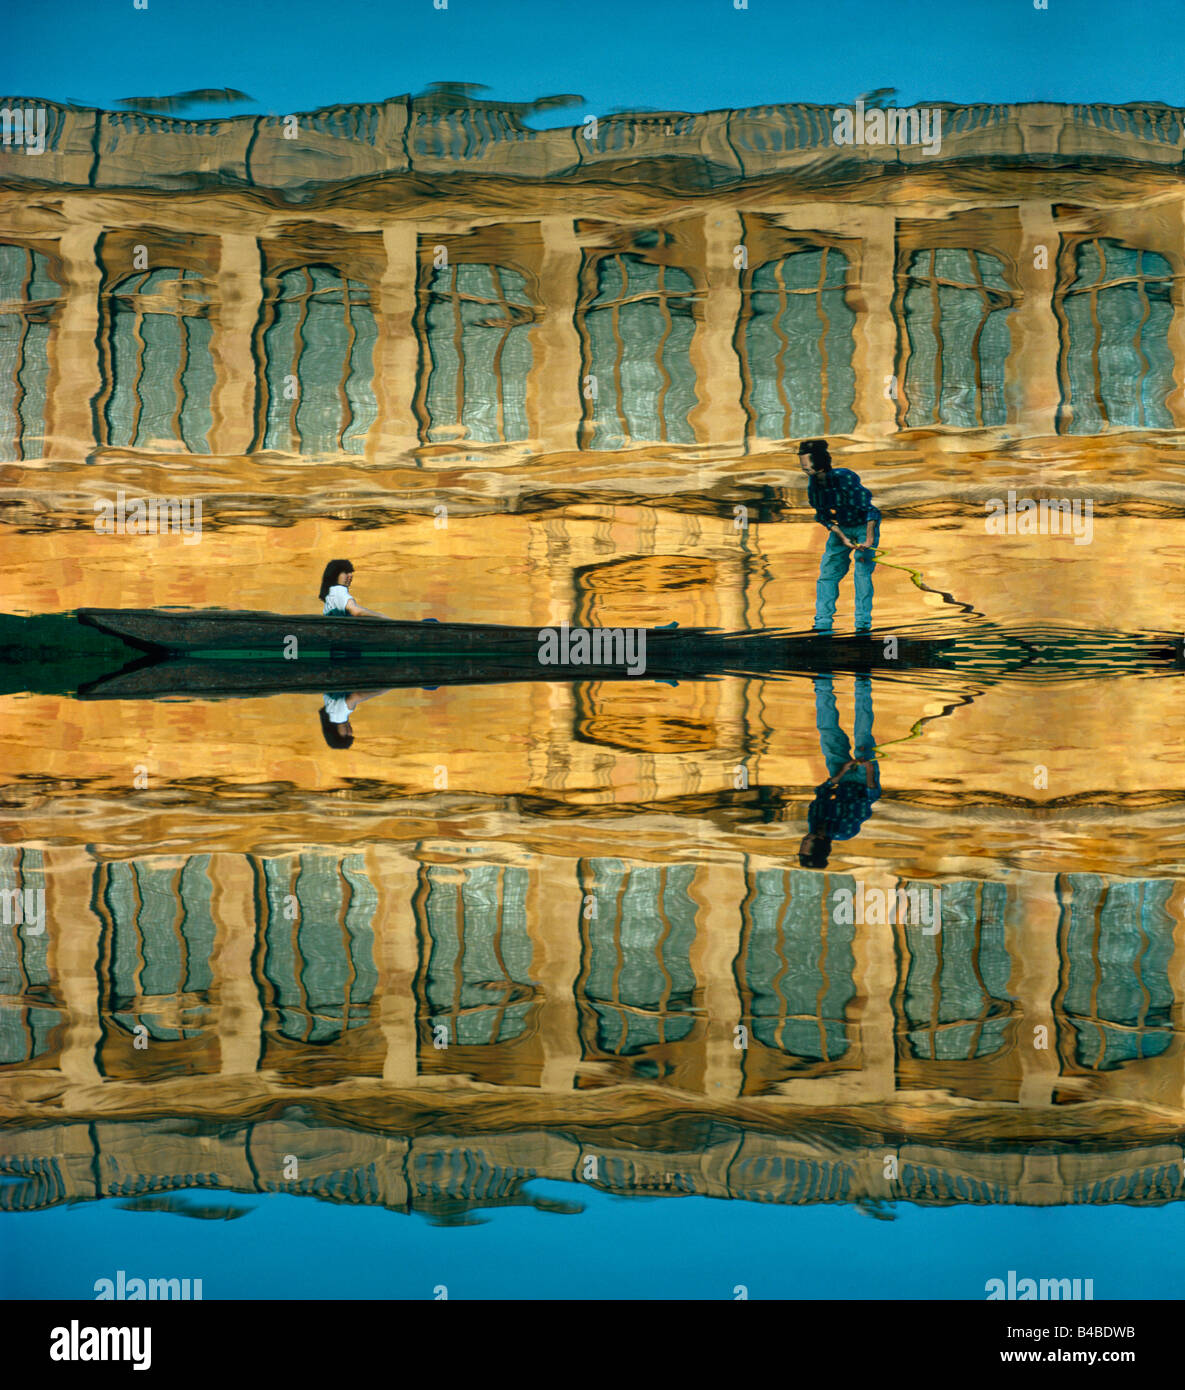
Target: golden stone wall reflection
column 526, row 403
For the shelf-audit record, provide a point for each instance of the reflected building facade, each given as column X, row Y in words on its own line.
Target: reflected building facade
column 430, row 1017
column 989, row 292
column 542, row 992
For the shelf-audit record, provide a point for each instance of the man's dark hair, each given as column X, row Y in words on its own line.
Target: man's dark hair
column 814, row 851
column 817, row 448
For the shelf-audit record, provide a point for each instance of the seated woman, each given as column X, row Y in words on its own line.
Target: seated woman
column 335, row 591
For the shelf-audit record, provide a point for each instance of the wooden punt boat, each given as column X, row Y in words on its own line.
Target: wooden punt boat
column 213, row 634
column 226, row 632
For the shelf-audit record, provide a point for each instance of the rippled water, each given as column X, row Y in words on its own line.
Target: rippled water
column 529, row 942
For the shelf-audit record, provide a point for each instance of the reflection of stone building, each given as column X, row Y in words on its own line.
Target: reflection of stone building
column 683, row 285
column 586, row 974
column 993, row 288
column 447, row 1175
column 568, row 992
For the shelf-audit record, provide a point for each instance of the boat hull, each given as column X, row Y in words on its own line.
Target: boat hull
column 269, row 635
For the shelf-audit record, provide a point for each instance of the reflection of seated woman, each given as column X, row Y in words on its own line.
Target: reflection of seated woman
column 335, row 717
column 335, row 592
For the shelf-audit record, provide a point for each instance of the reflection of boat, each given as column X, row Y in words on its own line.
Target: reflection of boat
column 149, row 679
column 194, row 677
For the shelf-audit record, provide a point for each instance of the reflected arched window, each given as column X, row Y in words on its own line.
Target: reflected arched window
column 478, row 981
column 953, row 306
column 31, row 1014
column 637, row 331
column 1116, row 1002
column 29, row 297
column 477, row 354
column 1116, row 367
column 796, row 965
column 318, row 963
column 318, row 357
column 638, row 984
column 955, row 1004
column 160, row 374
column 162, row 938
column 797, row 346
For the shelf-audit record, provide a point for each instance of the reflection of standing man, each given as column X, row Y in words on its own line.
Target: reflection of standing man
column 844, row 506
column 844, row 802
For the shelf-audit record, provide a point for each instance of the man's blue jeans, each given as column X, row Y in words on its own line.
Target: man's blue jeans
column 834, row 565
column 835, row 745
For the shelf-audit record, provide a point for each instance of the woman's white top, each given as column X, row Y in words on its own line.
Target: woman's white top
column 337, row 710
column 336, row 599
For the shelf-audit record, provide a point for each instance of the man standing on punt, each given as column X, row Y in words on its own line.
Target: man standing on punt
column 844, row 506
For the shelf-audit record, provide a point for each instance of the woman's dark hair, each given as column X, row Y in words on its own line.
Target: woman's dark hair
column 329, row 578
column 336, row 735
column 817, row 448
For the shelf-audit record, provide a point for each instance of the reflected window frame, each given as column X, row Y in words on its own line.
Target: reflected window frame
column 764, row 1065
column 358, row 291
column 516, row 318
column 770, row 248
column 993, row 300
column 353, row 1029
column 993, row 1008
column 525, row 1044
column 673, row 1057
column 666, row 254
column 186, row 295
column 27, row 964
column 1069, row 285
column 196, row 1050
column 42, row 263
column 1069, row 1025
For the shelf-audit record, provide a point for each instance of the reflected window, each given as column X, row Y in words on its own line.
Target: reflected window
column 796, row 964
column 955, row 1005
column 319, row 945
column 29, row 298
column 159, row 369
column 478, row 984
column 478, row 354
column 318, row 351
column 1116, row 1001
column 797, row 345
column 638, row 986
column 1117, row 367
column 953, row 304
column 29, row 1012
column 162, row 936
column 636, row 330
